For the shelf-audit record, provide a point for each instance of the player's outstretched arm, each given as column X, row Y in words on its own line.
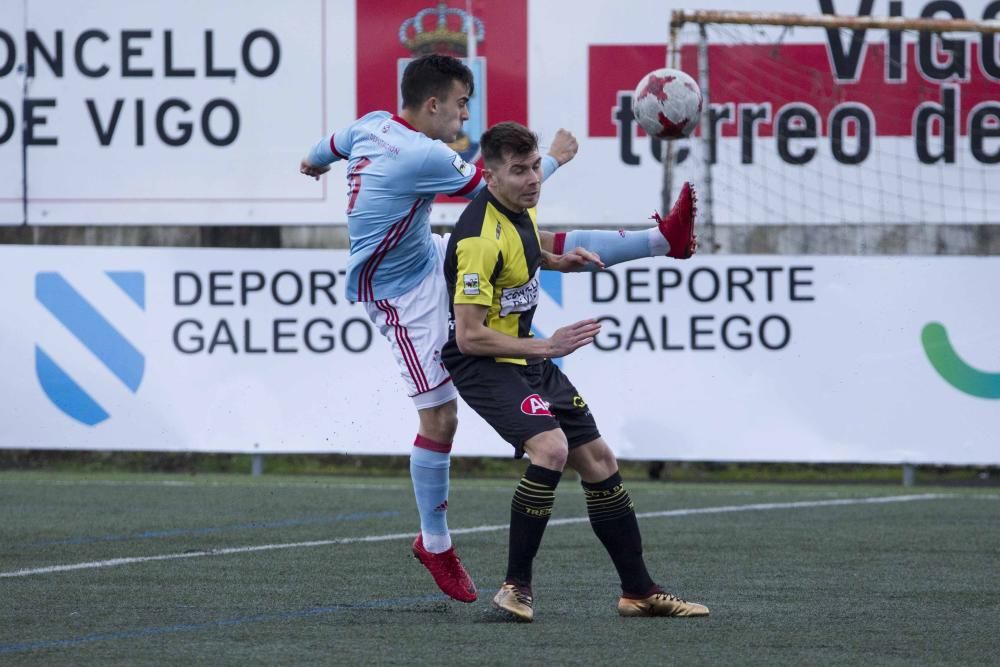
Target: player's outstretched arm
column 577, row 259
column 476, row 339
column 323, row 154
column 571, row 338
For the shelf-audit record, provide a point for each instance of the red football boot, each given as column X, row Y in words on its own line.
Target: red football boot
column 447, row 570
column 678, row 227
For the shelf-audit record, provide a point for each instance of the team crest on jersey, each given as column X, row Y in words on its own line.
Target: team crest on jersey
column 463, row 167
column 489, row 37
column 470, row 284
column 535, row 406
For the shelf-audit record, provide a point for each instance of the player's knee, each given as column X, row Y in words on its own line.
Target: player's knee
column 449, row 425
column 440, row 422
column 558, row 458
column 594, row 461
column 605, row 456
column 449, row 419
column 549, row 449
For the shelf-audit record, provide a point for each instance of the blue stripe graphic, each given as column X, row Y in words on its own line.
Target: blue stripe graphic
column 133, row 283
column 91, row 328
column 552, row 284
column 65, row 393
column 215, row 625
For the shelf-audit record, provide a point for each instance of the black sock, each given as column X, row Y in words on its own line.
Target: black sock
column 612, row 516
column 529, row 513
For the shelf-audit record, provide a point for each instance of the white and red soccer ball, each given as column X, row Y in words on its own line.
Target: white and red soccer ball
column 667, row 104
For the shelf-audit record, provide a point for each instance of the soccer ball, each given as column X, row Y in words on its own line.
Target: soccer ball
column 667, row 104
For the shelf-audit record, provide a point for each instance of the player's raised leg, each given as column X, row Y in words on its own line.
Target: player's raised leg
column 673, row 236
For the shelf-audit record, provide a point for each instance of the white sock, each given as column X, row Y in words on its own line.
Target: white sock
column 657, row 242
column 436, row 544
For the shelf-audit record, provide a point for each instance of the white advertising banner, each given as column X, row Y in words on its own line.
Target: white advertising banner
column 808, row 125
column 171, row 112
column 832, row 359
column 185, row 112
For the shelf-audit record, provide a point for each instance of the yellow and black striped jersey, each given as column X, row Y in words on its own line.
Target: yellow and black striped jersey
column 492, row 260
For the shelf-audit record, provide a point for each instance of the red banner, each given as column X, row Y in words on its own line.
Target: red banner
column 803, row 75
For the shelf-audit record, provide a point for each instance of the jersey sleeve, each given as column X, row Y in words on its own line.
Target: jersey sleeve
column 330, row 149
column 476, row 261
column 444, row 172
column 549, row 166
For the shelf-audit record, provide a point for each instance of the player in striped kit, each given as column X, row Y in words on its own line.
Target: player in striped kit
column 397, row 165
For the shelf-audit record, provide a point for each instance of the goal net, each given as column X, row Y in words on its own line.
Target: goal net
column 831, row 119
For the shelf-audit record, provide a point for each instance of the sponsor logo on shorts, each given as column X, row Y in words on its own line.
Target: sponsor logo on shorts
column 470, row 284
column 534, row 405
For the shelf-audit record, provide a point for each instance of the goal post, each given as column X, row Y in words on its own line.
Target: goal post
column 680, row 16
column 820, row 119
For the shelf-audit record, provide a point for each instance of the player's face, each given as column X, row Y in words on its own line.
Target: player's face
column 451, row 112
column 517, row 183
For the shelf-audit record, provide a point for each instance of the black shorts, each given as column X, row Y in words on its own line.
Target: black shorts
column 520, row 402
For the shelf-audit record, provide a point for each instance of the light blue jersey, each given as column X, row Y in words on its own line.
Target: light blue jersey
column 394, row 172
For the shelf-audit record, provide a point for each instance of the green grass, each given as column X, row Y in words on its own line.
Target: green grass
column 108, row 462
column 899, row 583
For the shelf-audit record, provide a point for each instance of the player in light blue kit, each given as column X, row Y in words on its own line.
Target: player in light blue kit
column 397, row 165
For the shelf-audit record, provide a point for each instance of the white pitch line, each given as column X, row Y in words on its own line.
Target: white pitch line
column 757, row 507
column 196, row 554
column 234, row 484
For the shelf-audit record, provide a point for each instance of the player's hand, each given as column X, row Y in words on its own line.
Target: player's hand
column 570, row 338
column 577, row 259
column 564, row 146
column 309, row 169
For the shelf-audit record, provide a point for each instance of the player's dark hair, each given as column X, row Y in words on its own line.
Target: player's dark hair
column 432, row 76
column 507, row 137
